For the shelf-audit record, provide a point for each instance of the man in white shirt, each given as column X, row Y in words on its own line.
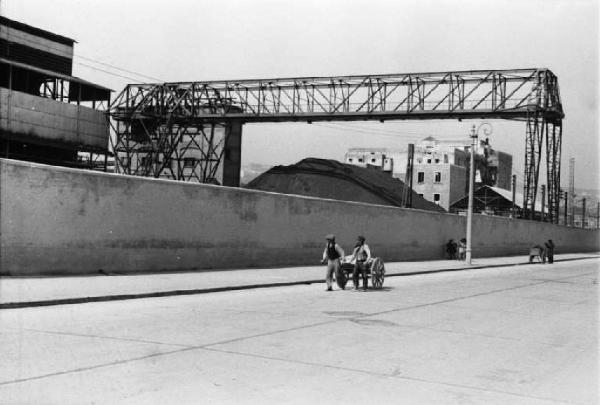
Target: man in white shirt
column 360, row 256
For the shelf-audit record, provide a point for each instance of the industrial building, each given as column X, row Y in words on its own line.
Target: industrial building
column 46, row 114
column 491, row 200
column 440, row 169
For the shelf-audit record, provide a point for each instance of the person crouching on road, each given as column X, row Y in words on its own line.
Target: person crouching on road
column 331, row 255
column 361, row 255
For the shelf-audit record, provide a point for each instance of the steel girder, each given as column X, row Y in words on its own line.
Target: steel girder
column 506, row 94
column 162, row 110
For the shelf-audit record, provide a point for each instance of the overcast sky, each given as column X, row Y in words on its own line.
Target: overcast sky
column 199, row 40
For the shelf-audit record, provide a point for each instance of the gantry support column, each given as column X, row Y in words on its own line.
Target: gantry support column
column 232, row 158
column 537, row 129
column 533, row 149
column 553, row 156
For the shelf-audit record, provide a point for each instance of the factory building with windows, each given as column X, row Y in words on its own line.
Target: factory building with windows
column 440, row 169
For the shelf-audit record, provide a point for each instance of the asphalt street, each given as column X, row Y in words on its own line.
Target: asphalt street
column 513, row 335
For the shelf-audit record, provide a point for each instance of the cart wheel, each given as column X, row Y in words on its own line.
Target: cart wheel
column 377, row 273
column 340, row 278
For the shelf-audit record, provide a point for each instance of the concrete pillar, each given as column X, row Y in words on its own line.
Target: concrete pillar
column 232, row 158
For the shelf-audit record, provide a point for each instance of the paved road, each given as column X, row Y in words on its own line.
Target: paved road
column 518, row 335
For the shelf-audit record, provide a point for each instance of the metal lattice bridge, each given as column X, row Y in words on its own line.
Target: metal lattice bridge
column 159, row 126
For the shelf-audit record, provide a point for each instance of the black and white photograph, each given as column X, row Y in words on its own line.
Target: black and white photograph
column 299, row 202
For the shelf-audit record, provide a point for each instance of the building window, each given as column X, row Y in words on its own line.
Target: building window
column 350, row 160
column 360, row 160
column 420, row 195
column 189, row 162
column 445, row 158
column 437, row 161
column 144, row 161
column 373, row 160
column 419, row 160
column 438, row 177
column 428, row 160
column 436, row 199
column 420, row 177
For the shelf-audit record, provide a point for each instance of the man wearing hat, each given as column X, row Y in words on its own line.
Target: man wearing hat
column 331, row 255
column 361, row 255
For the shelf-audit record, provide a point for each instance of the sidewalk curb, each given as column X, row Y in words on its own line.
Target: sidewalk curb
column 414, row 273
column 122, row 297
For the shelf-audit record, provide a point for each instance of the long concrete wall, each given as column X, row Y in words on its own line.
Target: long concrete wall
column 58, row 220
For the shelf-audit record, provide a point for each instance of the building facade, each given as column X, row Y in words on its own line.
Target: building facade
column 381, row 158
column 441, row 183
column 440, row 169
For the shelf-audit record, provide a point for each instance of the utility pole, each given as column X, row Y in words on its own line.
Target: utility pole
column 583, row 212
column 470, row 207
column 566, row 209
column 572, row 189
column 598, row 215
column 543, row 202
column 487, row 130
column 514, row 193
column 408, row 177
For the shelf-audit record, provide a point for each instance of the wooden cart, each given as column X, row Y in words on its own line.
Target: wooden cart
column 375, row 270
column 537, row 252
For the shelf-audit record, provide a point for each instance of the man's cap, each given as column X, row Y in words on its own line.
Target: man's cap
column 330, row 236
column 361, row 238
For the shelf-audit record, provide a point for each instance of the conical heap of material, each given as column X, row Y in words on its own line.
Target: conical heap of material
column 331, row 179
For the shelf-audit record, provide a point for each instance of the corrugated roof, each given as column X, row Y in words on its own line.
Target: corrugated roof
column 518, row 197
column 506, row 195
column 52, row 74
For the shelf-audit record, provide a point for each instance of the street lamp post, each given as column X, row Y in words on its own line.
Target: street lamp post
column 487, row 130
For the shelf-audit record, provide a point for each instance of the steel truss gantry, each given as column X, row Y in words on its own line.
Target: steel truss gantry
column 151, row 117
